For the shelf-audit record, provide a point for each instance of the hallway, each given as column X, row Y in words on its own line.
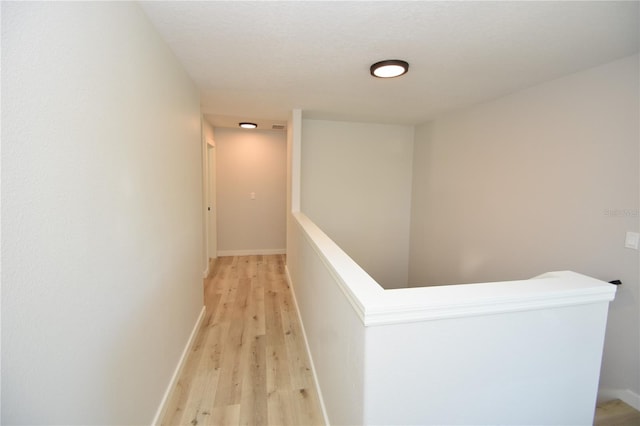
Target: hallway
column 249, row 363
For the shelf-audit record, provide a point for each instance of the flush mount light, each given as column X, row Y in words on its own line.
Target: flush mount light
column 247, row 125
column 389, row 68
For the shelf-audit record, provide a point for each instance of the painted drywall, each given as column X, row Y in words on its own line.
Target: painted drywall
column 251, row 161
column 486, row 370
column 356, row 186
column 544, row 179
column 101, row 214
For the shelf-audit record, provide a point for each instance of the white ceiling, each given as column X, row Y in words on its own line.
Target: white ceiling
column 258, row 60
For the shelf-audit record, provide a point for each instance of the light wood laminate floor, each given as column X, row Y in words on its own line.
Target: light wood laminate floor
column 616, row 413
column 248, row 365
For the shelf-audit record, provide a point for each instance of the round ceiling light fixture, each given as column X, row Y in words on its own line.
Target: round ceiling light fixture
column 389, row 68
column 247, row 125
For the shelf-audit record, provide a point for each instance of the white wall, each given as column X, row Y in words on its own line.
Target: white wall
column 544, row 179
column 251, row 161
column 356, row 186
column 101, row 214
column 534, row 367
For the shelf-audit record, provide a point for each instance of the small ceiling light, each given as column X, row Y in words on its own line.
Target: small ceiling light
column 390, row 68
column 247, row 125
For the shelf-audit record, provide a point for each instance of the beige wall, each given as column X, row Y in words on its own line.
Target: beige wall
column 101, row 214
column 356, row 186
column 545, row 179
column 251, row 161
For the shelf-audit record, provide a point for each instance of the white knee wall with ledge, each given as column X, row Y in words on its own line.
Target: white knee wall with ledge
column 517, row 352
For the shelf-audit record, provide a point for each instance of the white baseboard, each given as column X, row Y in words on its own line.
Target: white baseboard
column 250, row 252
column 626, row 395
column 205, row 273
column 176, row 373
column 306, row 343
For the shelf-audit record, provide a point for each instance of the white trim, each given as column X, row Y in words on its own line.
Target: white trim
column 178, row 370
column 435, row 303
column 205, row 273
column 626, row 395
column 251, row 252
column 306, row 344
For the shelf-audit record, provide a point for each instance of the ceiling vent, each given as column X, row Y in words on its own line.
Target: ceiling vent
column 278, row 127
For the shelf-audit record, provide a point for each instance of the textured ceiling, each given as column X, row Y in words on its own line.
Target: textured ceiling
column 258, row 60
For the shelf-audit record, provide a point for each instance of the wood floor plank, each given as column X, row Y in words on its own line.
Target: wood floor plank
column 277, row 364
column 228, row 415
column 253, row 407
column 273, row 319
column 228, row 292
column 211, row 359
column 280, row 408
column 255, row 313
column 234, row 359
column 200, row 403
